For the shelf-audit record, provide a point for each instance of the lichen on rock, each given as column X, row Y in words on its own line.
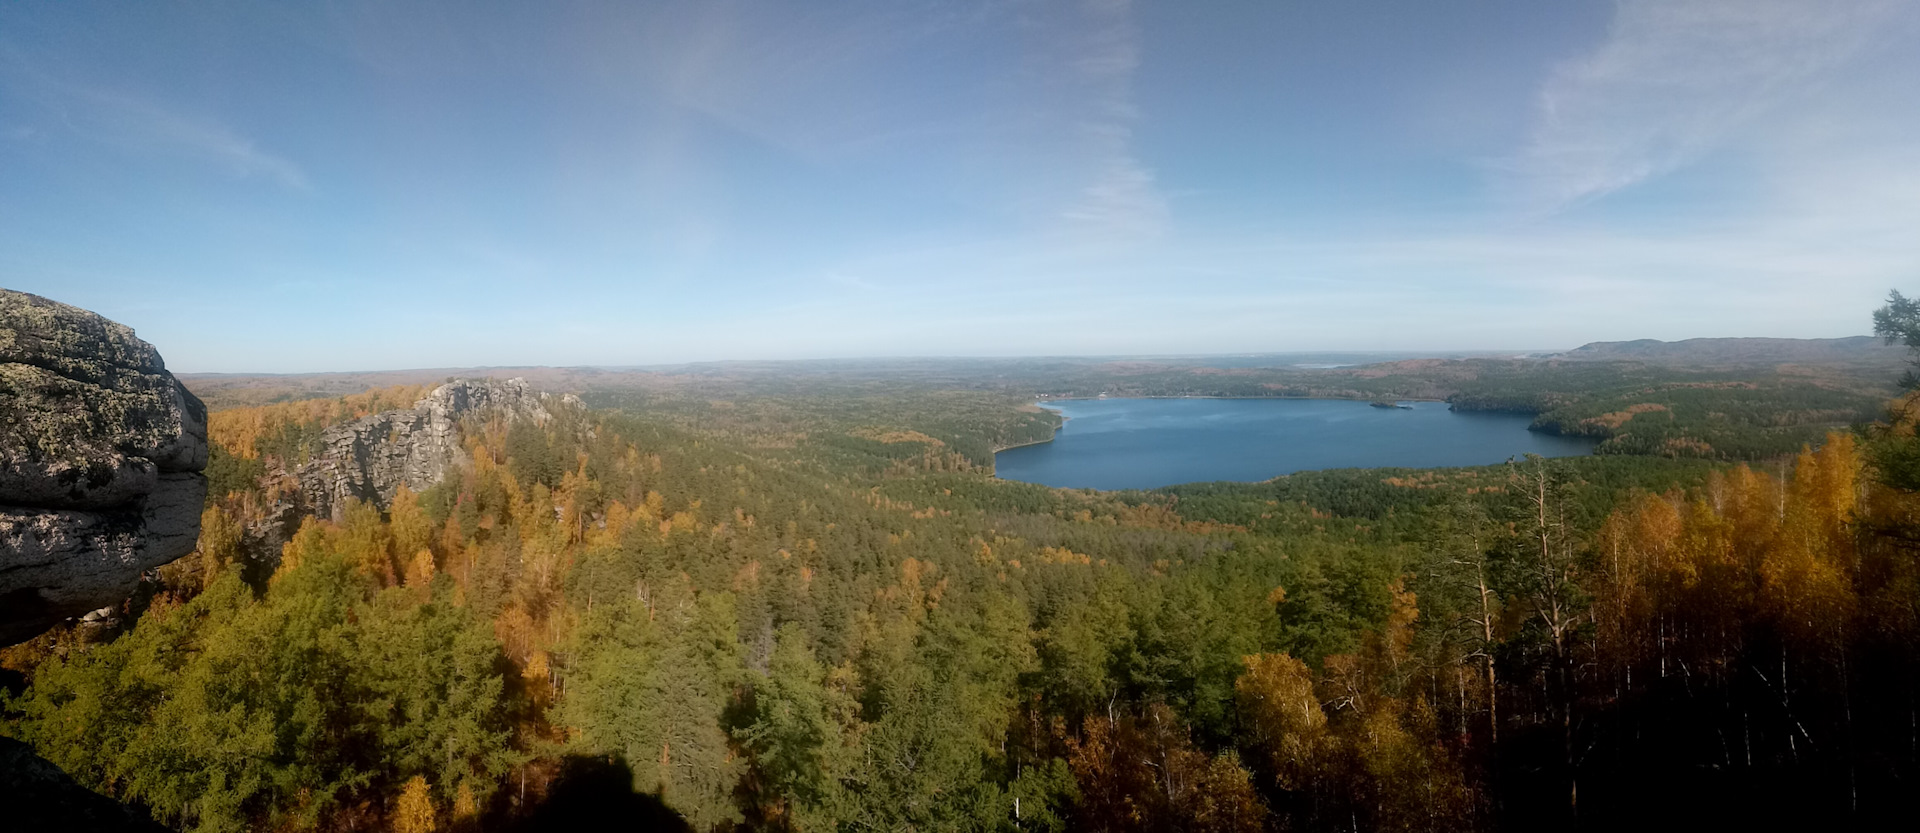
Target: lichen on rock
column 100, row 454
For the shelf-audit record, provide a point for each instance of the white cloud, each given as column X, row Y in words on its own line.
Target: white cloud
column 1121, row 199
column 111, row 117
column 120, row 119
column 1043, row 131
column 1676, row 79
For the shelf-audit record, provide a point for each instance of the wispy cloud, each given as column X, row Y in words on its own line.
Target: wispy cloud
column 1121, row 197
column 811, row 80
column 1046, row 129
column 120, row 119
column 111, row 117
column 1675, row 79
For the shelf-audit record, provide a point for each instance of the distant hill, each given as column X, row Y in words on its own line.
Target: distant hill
column 1721, row 351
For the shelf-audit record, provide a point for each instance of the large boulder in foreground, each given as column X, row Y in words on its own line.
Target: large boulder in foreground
column 100, row 454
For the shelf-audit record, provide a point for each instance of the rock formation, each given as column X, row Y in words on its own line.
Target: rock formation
column 100, row 449
column 371, row 458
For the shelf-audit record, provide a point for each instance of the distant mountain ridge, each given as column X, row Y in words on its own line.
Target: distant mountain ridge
column 1740, row 350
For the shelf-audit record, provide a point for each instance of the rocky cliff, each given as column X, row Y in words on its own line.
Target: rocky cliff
column 100, row 449
column 370, row 458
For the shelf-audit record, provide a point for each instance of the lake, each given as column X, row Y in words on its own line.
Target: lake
column 1148, row 443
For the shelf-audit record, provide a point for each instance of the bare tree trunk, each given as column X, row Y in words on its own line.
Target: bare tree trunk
column 1486, row 652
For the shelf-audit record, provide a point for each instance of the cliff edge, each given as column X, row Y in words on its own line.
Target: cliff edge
column 100, row 454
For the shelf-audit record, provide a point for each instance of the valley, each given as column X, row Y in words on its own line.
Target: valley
column 796, row 597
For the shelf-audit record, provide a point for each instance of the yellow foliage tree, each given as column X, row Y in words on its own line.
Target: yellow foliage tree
column 1806, row 577
column 465, row 807
column 1283, row 719
column 420, row 570
column 414, row 812
column 219, row 546
column 308, row 542
column 367, row 543
column 412, row 531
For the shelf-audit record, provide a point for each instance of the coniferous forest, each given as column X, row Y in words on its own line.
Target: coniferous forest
column 740, row 606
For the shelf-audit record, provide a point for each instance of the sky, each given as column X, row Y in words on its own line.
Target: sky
column 269, row 187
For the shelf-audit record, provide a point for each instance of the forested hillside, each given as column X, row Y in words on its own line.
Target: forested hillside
column 1737, row 402
column 784, row 610
column 1865, row 351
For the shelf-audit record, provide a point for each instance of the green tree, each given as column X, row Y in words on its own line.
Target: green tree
column 796, row 734
column 429, row 682
column 1899, row 321
column 651, row 681
column 1895, row 450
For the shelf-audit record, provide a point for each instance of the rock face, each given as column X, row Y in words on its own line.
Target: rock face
column 100, row 449
column 370, row 458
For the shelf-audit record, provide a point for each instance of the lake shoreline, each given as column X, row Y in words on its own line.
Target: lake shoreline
column 1050, row 436
column 1256, row 444
column 1242, row 398
column 999, row 448
column 1063, row 417
column 1552, row 431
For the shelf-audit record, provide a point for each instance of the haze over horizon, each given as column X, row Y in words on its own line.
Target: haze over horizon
column 362, row 186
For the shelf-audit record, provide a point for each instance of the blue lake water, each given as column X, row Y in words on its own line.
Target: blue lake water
column 1147, row 443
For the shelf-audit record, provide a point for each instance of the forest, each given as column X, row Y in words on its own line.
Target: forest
column 1728, row 406
column 719, row 606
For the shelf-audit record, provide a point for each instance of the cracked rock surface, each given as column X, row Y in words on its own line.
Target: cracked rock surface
column 100, row 454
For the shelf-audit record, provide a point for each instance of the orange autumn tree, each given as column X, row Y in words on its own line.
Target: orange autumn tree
column 1729, row 627
column 1359, row 745
column 1807, row 576
column 1142, row 773
column 1686, row 579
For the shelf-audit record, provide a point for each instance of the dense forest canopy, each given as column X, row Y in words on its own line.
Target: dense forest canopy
column 736, row 602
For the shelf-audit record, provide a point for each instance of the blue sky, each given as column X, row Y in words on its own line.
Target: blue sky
column 351, row 186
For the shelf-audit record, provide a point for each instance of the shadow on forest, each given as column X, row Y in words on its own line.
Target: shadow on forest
column 596, row 793
column 12, row 682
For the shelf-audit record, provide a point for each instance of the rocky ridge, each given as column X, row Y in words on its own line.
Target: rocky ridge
column 369, row 459
column 100, row 454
